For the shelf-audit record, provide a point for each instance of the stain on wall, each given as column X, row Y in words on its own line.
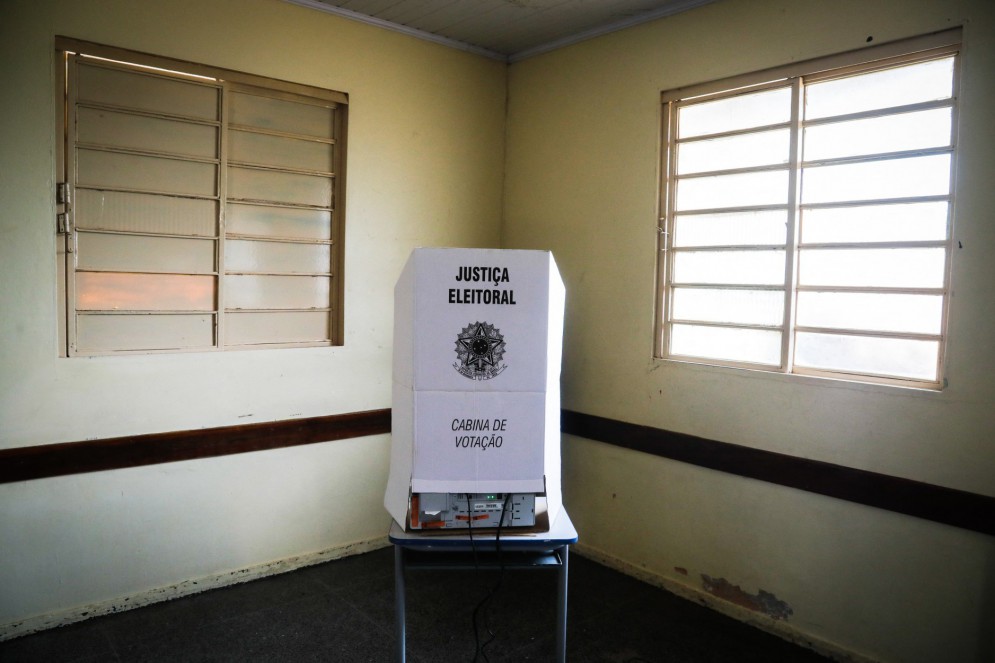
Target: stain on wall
column 763, row 601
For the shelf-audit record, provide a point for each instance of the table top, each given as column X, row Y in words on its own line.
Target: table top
column 560, row 534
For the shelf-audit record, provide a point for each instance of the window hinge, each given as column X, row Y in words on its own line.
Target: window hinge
column 62, row 193
column 62, row 223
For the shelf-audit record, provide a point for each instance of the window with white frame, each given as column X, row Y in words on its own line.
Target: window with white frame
column 806, row 216
column 200, row 209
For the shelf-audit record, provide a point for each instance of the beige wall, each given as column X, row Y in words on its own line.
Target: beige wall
column 425, row 162
column 582, row 168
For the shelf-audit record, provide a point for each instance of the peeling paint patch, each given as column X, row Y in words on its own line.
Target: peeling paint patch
column 763, row 601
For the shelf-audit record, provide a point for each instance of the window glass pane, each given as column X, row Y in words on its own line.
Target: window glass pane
column 108, row 333
column 150, row 134
column 755, row 346
column 892, row 357
column 876, row 180
column 731, row 228
column 891, row 133
column 900, row 268
column 137, row 253
column 279, row 151
column 876, row 223
column 276, row 292
column 765, row 148
column 115, row 170
column 279, row 257
column 244, row 328
column 909, row 84
column 139, row 212
column 764, row 267
column 743, row 111
column 284, row 222
column 747, row 307
column 739, row 190
column 280, row 115
column 113, row 291
column 921, row 314
column 278, row 187
column 146, row 91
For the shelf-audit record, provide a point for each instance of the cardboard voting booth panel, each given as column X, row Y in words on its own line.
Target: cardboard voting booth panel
column 476, row 392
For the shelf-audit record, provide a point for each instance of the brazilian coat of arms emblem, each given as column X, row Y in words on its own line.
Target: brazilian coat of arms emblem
column 480, row 349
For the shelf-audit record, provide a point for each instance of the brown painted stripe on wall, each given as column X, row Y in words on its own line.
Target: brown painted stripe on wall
column 923, row 500
column 943, row 505
column 50, row 460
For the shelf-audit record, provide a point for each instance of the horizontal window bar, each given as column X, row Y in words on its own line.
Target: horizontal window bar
column 173, row 156
column 726, row 325
column 734, row 171
column 730, row 210
column 139, row 233
column 278, row 169
column 128, row 110
column 880, row 112
column 121, row 189
column 886, row 156
column 277, row 203
column 288, row 344
column 143, row 271
column 281, row 134
column 272, row 238
column 912, row 244
column 836, row 331
column 728, row 247
column 282, row 310
column 248, row 273
column 875, row 202
column 729, row 286
column 884, row 290
column 734, row 132
column 148, row 312
column 270, row 203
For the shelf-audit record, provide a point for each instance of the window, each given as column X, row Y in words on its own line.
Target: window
column 806, row 216
column 201, row 209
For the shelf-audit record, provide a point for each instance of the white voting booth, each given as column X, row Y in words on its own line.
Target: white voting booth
column 476, row 395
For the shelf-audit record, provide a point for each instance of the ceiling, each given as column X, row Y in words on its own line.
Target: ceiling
column 507, row 30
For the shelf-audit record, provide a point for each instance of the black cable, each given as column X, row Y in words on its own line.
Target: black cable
column 476, row 570
column 469, row 529
column 485, row 602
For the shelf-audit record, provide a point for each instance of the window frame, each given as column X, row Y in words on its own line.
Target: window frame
column 228, row 83
column 795, row 76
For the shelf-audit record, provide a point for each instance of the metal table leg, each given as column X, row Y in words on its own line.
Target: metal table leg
column 399, row 616
column 561, row 607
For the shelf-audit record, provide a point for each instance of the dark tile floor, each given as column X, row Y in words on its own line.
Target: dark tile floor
column 344, row 611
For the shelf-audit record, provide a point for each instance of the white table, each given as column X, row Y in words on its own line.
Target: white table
column 518, row 550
